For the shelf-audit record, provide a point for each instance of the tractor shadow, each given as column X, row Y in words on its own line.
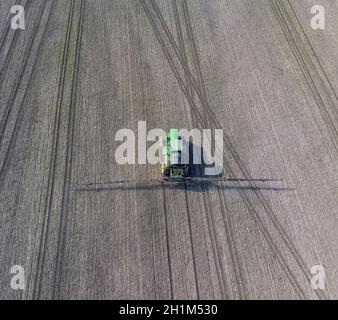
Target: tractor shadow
column 198, row 170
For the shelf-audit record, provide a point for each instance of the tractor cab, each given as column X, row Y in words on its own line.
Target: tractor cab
column 172, row 160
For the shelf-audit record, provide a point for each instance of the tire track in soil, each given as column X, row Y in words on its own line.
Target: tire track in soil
column 210, row 221
column 168, row 245
column 6, row 32
column 9, row 107
column 226, row 218
column 183, row 52
column 319, row 84
column 52, row 165
column 69, row 161
column 258, row 194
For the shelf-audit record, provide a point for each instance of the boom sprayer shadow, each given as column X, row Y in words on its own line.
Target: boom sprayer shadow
column 196, row 181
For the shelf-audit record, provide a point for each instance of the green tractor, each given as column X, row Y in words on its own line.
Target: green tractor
column 172, row 166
